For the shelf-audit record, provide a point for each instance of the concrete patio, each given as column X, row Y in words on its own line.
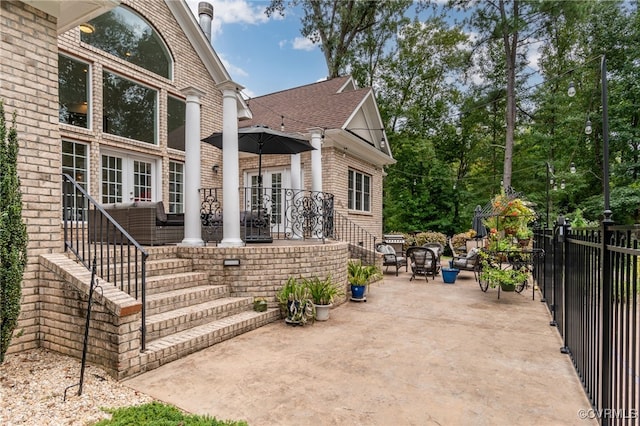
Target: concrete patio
column 416, row 353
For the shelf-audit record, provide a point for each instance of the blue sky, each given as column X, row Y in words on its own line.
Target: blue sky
column 263, row 54
column 266, row 55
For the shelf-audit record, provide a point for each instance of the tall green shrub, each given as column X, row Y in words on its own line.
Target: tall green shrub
column 13, row 233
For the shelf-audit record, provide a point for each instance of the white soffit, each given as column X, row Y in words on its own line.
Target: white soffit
column 71, row 13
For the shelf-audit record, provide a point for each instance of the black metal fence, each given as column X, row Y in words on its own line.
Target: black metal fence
column 589, row 280
column 91, row 234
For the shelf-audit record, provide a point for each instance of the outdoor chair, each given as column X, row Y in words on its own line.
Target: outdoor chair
column 459, row 251
column 438, row 249
column 391, row 257
column 423, row 262
column 467, row 262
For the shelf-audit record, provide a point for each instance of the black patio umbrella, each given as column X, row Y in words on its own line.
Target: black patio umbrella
column 477, row 225
column 263, row 140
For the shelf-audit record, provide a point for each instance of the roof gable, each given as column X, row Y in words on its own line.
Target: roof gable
column 327, row 104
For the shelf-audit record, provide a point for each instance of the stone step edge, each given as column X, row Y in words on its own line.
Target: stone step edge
column 166, row 349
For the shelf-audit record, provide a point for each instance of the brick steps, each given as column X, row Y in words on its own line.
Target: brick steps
column 176, row 320
column 175, row 281
column 180, row 344
column 175, row 299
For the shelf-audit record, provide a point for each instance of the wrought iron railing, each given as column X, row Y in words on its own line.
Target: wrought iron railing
column 290, row 214
column 362, row 244
column 91, row 233
column 593, row 291
column 270, row 213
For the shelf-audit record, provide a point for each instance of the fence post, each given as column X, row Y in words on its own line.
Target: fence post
column 566, row 261
column 607, row 300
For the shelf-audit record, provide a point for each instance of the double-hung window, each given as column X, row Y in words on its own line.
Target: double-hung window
column 359, row 191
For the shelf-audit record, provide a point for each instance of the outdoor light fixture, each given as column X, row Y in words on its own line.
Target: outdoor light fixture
column 572, row 168
column 572, row 90
column 87, row 28
column 562, row 184
column 215, row 168
column 383, row 143
column 231, row 262
column 587, row 128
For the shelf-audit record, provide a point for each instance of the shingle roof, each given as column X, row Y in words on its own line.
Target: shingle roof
column 301, row 108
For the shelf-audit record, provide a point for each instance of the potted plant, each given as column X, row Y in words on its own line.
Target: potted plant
column 359, row 276
column 260, row 304
column 295, row 302
column 508, row 279
column 322, row 292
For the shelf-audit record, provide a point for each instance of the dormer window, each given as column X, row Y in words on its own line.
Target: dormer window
column 125, row 34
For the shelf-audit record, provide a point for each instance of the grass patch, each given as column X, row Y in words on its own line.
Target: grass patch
column 159, row 414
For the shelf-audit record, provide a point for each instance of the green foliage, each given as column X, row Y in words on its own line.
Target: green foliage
column 295, row 301
column 493, row 273
column 322, row 291
column 427, row 237
column 159, row 414
column 13, row 234
column 360, row 274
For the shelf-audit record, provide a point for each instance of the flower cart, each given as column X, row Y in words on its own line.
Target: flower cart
column 507, row 260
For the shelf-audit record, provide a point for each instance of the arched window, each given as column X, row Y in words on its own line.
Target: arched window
column 125, row 34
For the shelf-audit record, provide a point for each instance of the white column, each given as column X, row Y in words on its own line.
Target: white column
column 230, row 166
column 316, row 175
column 192, row 226
column 296, row 186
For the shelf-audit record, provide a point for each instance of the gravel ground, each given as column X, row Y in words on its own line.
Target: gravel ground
column 32, row 387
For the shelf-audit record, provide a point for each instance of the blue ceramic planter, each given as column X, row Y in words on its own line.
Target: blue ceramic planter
column 357, row 291
column 449, row 275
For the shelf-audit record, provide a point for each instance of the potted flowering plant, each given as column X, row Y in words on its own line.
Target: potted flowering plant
column 509, row 214
column 492, row 274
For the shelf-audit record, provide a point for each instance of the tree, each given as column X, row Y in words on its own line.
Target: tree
column 345, row 27
column 13, row 234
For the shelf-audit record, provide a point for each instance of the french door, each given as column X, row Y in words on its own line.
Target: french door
column 128, row 178
column 270, row 197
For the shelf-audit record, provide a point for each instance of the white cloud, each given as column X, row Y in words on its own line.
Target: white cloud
column 232, row 12
column 232, row 69
column 302, row 43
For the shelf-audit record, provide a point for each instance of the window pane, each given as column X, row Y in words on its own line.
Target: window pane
column 176, row 113
column 74, row 157
column 73, row 85
column 176, row 187
column 123, row 33
column 350, row 192
column 359, row 191
column 111, row 179
column 141, row 181
column 129, row 109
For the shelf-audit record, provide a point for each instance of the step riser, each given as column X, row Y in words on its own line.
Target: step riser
column 197, row 317
column 162, row 284
column 195, row 297
column 155, row 357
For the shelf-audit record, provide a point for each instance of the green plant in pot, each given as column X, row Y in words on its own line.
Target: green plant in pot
column 509, row 279
column 295, row 302
column 322, row 292
column 360, row 276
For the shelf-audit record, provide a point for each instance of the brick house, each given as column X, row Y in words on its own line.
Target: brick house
column 124, row 117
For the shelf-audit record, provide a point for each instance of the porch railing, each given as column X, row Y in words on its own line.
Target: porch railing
column 592, row 291
column 281, row 213
column 91, row 233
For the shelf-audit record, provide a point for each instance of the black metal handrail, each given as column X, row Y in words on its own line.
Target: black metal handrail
column 90, row 233
column 362, row 244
